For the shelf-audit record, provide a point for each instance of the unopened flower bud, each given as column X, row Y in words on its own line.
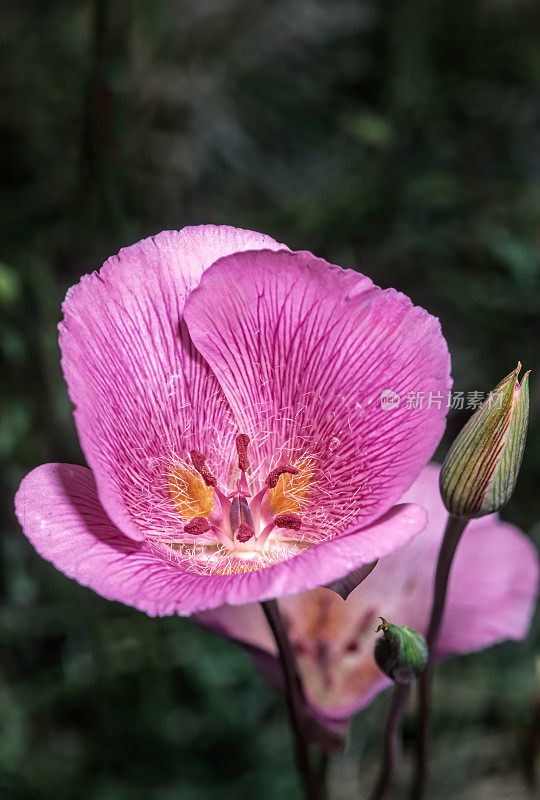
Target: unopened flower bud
column 480, row 471
column 401, row 653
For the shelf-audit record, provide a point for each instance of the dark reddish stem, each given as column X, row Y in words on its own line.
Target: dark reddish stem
column 293, row 695
column 392, row 740
column 451, row 539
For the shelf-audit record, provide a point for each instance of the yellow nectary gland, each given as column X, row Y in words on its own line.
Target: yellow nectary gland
column 189, row 493
column 292, row 491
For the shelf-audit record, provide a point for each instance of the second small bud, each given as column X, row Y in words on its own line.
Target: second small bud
column 401, row 653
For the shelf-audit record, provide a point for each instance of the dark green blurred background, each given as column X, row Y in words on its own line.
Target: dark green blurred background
column 399, row 137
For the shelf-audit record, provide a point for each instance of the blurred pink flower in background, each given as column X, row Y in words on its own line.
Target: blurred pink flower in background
column 493, row 587
column 227, row 399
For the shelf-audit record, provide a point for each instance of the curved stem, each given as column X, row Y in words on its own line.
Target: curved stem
column 322, row 774
column 293, row 696
column 452, row 536
column 421, row 767
column 392, row 741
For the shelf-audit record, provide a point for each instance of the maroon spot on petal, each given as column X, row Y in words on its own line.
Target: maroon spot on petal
column 288, row 520
column 323, row 657
column 410, row 585
column 273, row 477
column 299, row 648
column 199, row 462
column 196, row 526
column 366, row 621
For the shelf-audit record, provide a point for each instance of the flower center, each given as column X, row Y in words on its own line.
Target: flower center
column 244, row 529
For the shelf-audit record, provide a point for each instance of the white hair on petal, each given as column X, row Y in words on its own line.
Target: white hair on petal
column 146, row 457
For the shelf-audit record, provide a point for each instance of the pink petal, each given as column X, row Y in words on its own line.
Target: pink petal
column 142, row 393
column 303, row 351
column 493, row 586
column 59, row 510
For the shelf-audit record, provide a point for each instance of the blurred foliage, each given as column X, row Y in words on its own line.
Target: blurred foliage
column 401, row 137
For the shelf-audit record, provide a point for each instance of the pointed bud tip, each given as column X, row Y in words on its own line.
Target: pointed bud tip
column 479, row 473
column 401, row 652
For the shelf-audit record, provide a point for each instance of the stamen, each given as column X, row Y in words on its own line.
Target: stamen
column 242, row 442
column 288, row 520
column 264, row 534
column 199, row 462
column 244, row 533
column 273, row 477
column 222, row 537
column 241, row 535
column 196, row 526
column 256, row 502
column 224, row 500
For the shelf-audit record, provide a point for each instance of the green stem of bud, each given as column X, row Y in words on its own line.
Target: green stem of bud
column 392, row 740
column 401, row 653
column 451, row 539
column 477, row 477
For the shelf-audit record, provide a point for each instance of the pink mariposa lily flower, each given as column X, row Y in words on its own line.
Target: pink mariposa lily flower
column 493, row 586
column 227, row 396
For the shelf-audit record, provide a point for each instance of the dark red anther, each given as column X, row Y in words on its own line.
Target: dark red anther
column 199, row 462
column 288, row 520
column 242, row 442
column 273, row 478
column 196, row 526
column 244, row 533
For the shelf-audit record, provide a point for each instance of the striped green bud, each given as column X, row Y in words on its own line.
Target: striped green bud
column 401, row 652
column 479, row 473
